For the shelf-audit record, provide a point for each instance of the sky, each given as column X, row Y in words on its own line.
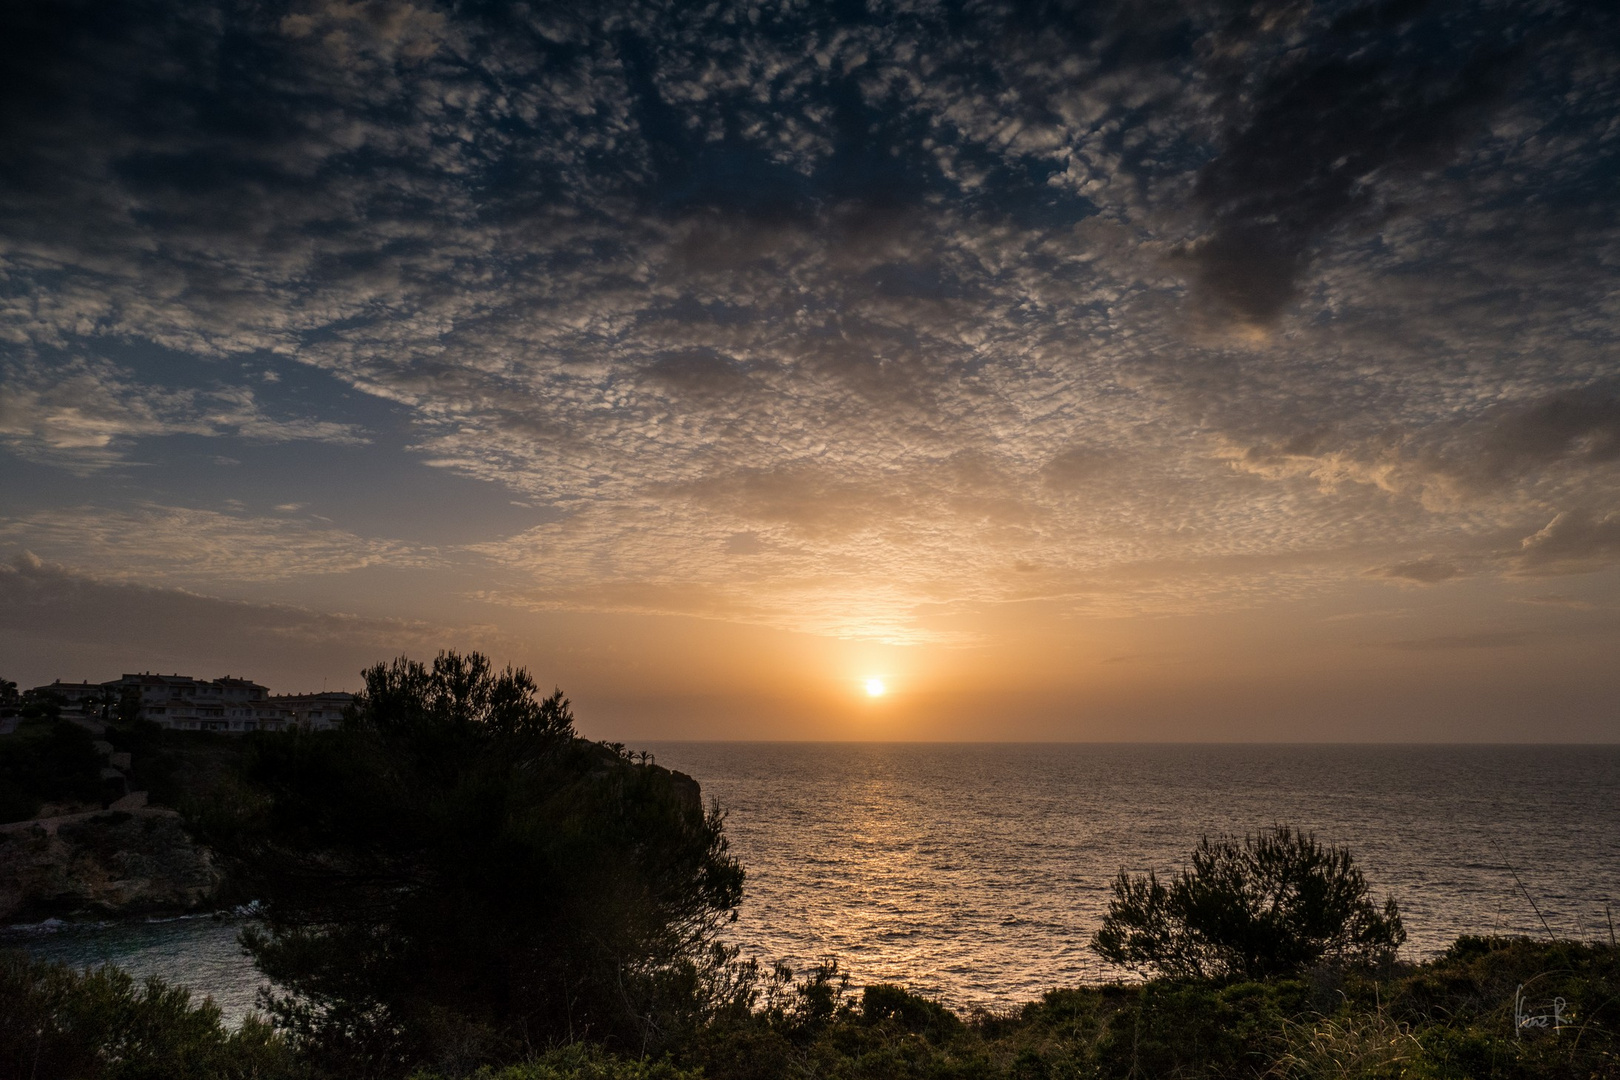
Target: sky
column 1141, row 370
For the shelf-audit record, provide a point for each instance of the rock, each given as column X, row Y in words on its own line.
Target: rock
column 107, row 863
column 59, row 810
column 611, row 760
column 688, row 791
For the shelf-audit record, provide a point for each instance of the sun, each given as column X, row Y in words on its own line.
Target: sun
column 875, row 688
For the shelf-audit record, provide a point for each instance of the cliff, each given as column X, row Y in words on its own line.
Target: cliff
column 107, row 863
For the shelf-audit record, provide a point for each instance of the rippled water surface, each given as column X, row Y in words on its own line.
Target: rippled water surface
column 200, row 952
column 978, row 872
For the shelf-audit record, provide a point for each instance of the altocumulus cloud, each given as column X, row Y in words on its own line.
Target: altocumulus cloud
column 186, row 546
column 1119, row 306
column 86, row 416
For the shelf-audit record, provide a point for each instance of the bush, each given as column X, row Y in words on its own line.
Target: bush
column 100, row 1025
column 581, row 1061
column 454, row 878
column 881, row 1003
column 1270, row 906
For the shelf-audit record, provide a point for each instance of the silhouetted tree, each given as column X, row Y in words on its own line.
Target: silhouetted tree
column 455, row 877
column 1267, row 906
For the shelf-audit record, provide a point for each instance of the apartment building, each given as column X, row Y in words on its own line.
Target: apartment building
column 227, row 704
column 317, row 712
column 81, row 697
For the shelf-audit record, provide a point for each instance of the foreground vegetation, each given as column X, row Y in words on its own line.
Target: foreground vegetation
column 1260, row 907
column 91, row 1025
column 455, row 884
column 1449, row 1019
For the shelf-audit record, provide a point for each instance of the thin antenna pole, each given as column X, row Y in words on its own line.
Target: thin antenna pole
column 1550, row 935
column 1610, row 916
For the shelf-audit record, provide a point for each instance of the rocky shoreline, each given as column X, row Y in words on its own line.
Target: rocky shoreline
column 113, row 863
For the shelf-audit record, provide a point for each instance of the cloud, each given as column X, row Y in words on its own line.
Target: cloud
column 63, row 622
column 1576, row 426
column 169, row 544
column 697, row 373
column 1488, row 639
column 86, row 415
column 1371, row 613
column 1324, row 130
column 1422, row 571
column 1558, row 600
column 1074, row 467
column 901, row 296
column 1576, row 541
column 369, row 33
column 55, row 599
column 1488, row 452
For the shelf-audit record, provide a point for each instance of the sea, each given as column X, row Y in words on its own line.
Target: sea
column 977, row 873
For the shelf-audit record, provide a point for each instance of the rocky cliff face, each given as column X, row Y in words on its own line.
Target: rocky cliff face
column 108, row 863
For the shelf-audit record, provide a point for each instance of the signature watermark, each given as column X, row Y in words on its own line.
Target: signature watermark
column 1549, row 1015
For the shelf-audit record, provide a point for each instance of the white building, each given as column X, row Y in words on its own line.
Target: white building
column 226, row 704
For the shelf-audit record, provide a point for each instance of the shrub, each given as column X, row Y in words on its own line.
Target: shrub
column 580, row 1061
column 882, row 1003
column 1267, row 906
column 101, row 1025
